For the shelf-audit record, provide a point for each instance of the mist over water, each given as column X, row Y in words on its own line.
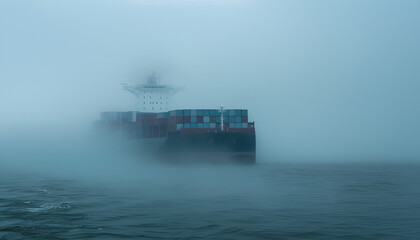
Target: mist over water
column 76, row 188
column 331, row 85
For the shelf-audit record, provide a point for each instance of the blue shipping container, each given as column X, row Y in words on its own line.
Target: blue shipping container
column 213, row 113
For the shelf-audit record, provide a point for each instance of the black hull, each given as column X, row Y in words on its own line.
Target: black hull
column 211, row 147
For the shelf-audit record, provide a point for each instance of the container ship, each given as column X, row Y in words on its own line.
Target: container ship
column 211, row 135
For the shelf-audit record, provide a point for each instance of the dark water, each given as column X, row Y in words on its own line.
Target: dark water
column 265, row 201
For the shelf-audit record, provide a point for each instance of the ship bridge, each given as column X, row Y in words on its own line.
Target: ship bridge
column 152, row 96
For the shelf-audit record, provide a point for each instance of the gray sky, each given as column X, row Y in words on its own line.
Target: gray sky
column 322, row 79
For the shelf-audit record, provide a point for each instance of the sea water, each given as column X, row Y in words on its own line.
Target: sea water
column 261, row 201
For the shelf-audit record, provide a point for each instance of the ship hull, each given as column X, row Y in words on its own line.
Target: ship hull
column 215, row 147
column 210, row 147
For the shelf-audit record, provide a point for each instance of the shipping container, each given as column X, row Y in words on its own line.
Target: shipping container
column 159, row 124
column 214, row 113
column 187, row 113
column 179, row 119
column 172, row 120
column 187, row 119
column 162, row 115
column 163, row 121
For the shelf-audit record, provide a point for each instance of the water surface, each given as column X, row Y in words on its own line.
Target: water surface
column 264, row 201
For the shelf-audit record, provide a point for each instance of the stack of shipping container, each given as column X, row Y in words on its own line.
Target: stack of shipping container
column 188, row 121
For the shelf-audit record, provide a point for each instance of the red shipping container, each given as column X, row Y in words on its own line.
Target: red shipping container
column 187, row 119
column 179, row 119
column 172, row 120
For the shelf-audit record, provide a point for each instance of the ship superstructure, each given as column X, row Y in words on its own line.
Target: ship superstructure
column 152, row 96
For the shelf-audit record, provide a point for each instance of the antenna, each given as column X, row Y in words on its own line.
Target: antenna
column 152, row 79
column 221, row 118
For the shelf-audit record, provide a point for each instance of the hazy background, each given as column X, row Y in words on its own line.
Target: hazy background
column 323, row 80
